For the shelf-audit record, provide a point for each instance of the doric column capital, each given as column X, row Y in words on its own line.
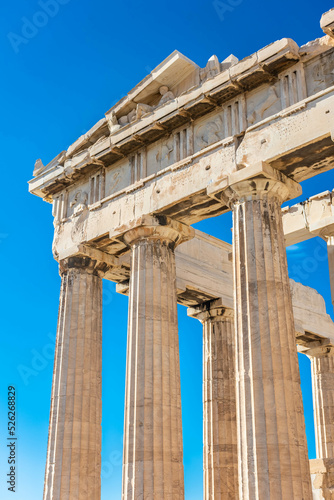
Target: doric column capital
column 256, row 181
column 257, row 188
column 83, row 264
column 213, row 310
column 157, row 227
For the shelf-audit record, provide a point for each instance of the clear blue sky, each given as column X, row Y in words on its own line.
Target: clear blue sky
column 57, row 81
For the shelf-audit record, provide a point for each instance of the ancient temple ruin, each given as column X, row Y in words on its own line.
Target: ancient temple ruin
column 188, row 143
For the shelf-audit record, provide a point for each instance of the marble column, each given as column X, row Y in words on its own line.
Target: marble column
column 153, row 451
column 272, row 448
column 220, row 457
column 322, row 368
column 330, row 253
column 322, row 468
column 74, row 446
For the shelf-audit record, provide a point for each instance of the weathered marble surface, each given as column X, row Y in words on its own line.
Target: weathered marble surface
column 327, row 23
column 153, row 449
column 272, row 107
column 314, row 217
column 220, row 454
column 322, row 365
column 271, row 430
column 73, row 465
column 322, row 477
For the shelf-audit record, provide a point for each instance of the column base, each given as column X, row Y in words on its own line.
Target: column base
column 322, row 478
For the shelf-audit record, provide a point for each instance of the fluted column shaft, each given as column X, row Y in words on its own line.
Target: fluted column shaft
column 153, row 452
column 220, row 457
column 322, row 368
column 330, row 253
column 273, row 461
column 74, row 446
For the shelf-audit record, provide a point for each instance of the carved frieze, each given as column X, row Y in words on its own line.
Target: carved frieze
column 138, row 166
column 263, row 102
column 183, row 143
column 228, row 122
column 164, row 154
column 59, row 207
column 293, row 86
column 77, row 199
column 209, row 133
column 117, row 177
column 79, row 202
column 171, row 149
column 268, row 100
column 97, row 187
column 320, row 73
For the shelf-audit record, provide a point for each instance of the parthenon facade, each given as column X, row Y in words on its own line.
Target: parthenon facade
column 189, row 143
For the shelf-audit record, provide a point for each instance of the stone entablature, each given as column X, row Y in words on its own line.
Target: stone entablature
column 253, row 90
column 322, row 476
column 327, row 23
column 313, row 217
column 170, row 160
column 302, row 221
column 219, row 114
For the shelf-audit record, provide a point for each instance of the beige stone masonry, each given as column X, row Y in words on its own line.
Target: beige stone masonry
column 271, row 431
column 313, row 217
column 74, row 448
column 273, row 106
column 327, row 23
column 322, row 477
column 153, row 454
column 220, row 456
